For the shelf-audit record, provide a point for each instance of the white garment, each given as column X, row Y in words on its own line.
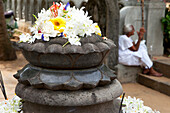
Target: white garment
column 131, row 58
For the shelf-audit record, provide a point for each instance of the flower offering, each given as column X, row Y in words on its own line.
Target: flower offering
column 11, row 106
column 61, row 21
column 135, row 105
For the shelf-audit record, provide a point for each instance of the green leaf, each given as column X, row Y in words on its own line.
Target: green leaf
column 34, row 16
column 163, row 20
column 65, row 44
column 168, row 27
column 168, row 32
column 64, row 16
column 65, row 11
column 168, row 17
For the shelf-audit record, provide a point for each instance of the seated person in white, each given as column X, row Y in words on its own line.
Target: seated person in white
column 135, row 54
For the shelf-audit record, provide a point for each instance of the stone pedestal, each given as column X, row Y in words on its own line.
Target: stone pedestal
column 97, row 100
column 70, row 79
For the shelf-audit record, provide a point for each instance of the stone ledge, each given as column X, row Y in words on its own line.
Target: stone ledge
column 108, row 107
column 161, row 84
column 65, row 79
column 127, row 74
column 70, row 98
column 163, row 66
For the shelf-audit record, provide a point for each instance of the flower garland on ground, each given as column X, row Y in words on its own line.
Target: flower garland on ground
column 11, row 106
column 63, row 21
column 133, row 105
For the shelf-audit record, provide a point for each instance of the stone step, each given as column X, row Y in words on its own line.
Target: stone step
column 161, row 84
column 163, row 66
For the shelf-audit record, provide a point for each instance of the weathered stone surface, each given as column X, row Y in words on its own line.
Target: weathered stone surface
column 126, row 74
column 156, row 10
column 163, row 66
column 129, row 2
column 52, row 55
column 55, row 45
column 107, row 107
column 161, row 84
column 106, row 14
column 65, row 79
column 70, row 98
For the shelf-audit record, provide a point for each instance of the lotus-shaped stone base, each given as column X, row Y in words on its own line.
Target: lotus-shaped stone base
column 51, row 54
column 65, row 79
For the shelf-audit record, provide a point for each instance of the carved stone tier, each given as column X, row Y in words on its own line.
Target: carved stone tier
column 65, row 79
column 97, row 100
column 51, row 54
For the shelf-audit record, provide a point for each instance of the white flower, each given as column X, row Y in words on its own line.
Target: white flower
column 37, row 35
column 23, row 38
column 78, row 24
column 34, row 29
column 31, row 40
column 46, row 37
column 133, row 105
column 74, row 41
column 26, row 38
column 48, row 29
column 11, row 106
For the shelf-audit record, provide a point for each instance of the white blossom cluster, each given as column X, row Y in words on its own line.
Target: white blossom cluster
column 68, row 22
column 133, row 105
column 11, row 106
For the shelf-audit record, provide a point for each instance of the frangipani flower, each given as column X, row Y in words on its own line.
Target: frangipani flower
column 59, row 24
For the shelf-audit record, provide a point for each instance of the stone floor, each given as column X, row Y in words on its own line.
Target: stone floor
column 8, row 69
column 151, row 98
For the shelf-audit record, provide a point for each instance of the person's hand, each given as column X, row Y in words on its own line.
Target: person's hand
column 141, row 32
column 142, row 29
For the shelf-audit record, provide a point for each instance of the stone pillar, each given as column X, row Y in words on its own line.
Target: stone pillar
column 106, row 13
column 156, row 10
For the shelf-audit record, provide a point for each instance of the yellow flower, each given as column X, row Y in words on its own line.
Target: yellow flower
column 59, row 24
column 98, row 30
column 97, row 27
column 99, row 34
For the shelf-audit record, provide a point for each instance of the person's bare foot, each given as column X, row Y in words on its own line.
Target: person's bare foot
column 154, row 73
